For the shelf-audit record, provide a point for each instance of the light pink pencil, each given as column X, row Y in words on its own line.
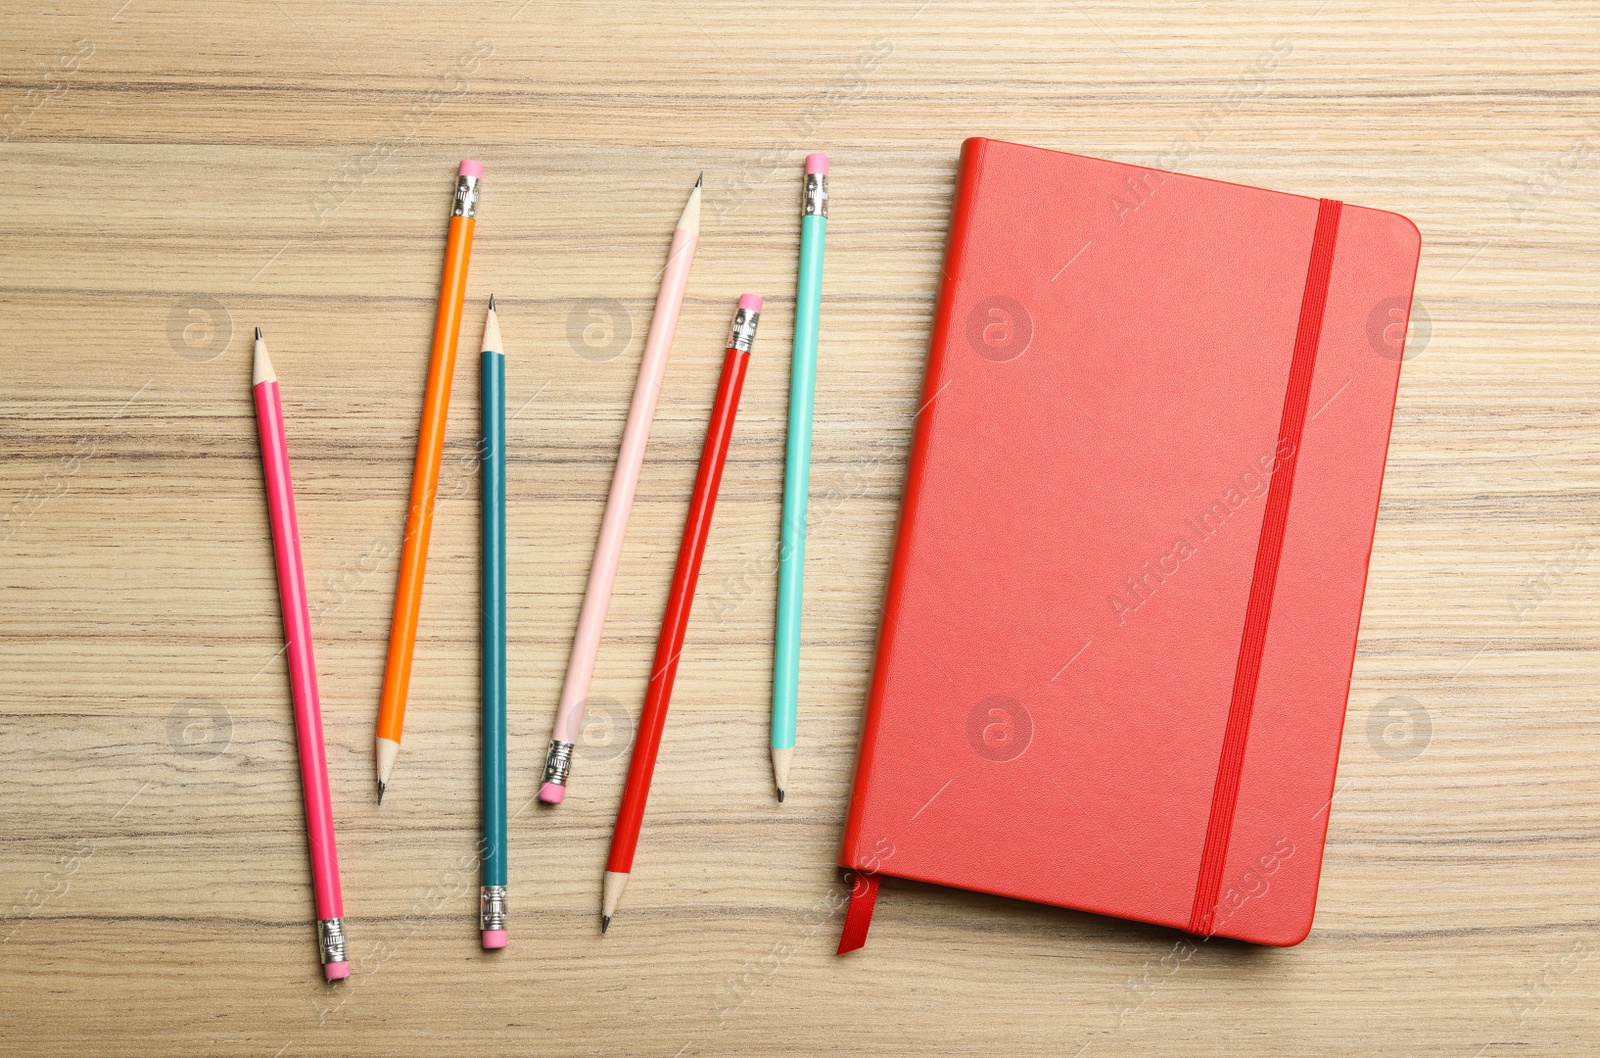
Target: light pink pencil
column 302, row 667
column 592, row 618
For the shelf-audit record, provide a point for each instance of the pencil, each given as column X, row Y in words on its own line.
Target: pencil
column 797, row 469
column 630, row 459
column 696, row 527
column 302, row 666
column 425, row 475
column 492, row 902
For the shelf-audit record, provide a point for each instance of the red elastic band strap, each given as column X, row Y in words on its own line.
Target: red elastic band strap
column 1225, row 795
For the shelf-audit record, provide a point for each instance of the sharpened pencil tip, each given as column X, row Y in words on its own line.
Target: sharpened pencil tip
column 382, row 786
column 700, row 179
column 491, row 302
column 780, row 795
column 605, row 922
column 261, row 364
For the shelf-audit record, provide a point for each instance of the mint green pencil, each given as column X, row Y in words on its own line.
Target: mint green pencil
column 797, row 468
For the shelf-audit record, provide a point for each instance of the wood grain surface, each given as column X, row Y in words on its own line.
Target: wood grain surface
column 175, row 174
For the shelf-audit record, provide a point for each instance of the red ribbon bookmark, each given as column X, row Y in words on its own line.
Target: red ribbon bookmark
column 863, row 898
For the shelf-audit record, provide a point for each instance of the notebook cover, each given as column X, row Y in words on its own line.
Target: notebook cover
column 1107, row 414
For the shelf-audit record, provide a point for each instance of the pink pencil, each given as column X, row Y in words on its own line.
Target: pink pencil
column 302, row 667
column 630, row 460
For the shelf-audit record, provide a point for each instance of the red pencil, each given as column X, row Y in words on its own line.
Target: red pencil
column 676, row 620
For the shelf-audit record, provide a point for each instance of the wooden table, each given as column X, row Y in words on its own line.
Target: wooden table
column 178, row 174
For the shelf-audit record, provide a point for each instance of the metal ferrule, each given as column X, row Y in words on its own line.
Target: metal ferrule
column 558, row 762
column 492, row 907
column 744, row 330
column 816, row 200
column 466, row 197
column 330, row 939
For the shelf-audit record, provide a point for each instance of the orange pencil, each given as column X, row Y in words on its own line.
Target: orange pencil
column 425, row 478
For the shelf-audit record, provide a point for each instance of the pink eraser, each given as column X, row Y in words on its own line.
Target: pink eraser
column 817, row 163
column 475, row 169
column 552, row 793
column 495, row 938
column 336, row 971
column 750, row 301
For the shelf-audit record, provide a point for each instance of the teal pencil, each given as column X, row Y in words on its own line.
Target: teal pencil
column 797, row 469
column 492, row 902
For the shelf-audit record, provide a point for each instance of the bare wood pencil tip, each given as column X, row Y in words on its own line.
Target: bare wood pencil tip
column 387, row 750
column 610, row 896
column 261, row 370
column 690, row 221
column 492, row 342
column 781, row 760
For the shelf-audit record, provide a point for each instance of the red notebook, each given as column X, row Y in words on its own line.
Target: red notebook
column 1121, row 618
